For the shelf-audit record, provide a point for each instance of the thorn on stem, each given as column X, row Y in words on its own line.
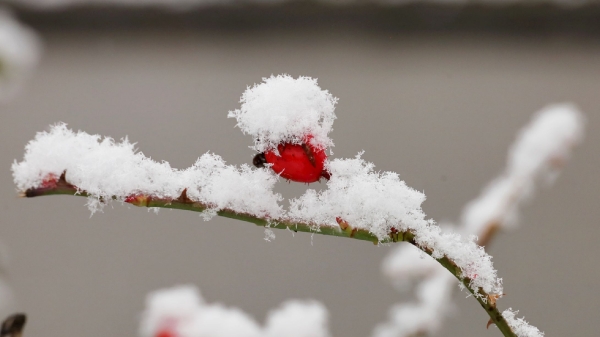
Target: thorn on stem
column 394, row 234
column 63, row 177
column 139, row 200
column 183, row 198
column 490, row 322
column 492, row 298
column 343, row 224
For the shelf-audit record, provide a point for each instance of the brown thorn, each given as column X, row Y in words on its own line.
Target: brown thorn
column 183, row 198
column 492, row 298
column 490, row 322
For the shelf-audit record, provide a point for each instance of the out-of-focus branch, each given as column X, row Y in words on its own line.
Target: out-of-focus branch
column 13, row 325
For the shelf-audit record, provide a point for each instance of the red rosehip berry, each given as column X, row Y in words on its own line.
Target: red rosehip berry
column 298, row 162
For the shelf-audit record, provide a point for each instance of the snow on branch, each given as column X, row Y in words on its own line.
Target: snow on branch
column 379, row 203
column 106, row 169
column 519, row 325
column 182, row 312
column 537, row 155
column 359, row 202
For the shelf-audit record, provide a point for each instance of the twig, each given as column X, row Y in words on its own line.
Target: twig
column 13, row 325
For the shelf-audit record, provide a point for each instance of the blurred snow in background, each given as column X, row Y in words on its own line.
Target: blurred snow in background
column 20, row 51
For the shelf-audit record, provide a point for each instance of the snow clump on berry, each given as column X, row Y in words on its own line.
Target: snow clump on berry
column 286, row 110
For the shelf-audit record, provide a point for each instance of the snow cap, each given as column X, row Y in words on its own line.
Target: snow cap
column 284, row 109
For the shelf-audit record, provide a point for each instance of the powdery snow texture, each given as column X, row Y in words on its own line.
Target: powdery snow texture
column 519, row 325
column 378, row 201
column 105, row 168
column 283, row 109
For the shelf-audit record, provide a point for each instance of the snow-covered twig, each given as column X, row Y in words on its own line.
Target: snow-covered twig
column 64, row 162
column 359, row 202
column 537, row 156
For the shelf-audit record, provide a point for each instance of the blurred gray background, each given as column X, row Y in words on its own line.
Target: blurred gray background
column 436, row 94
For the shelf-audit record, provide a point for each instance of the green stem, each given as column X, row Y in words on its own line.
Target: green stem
column 184, row 203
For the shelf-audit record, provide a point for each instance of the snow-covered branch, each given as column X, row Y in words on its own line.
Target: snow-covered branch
column 289, row 120
column 536, row 157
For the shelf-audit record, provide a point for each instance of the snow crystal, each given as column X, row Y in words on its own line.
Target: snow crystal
column 284, row 109
column 269, row 234
column 19, row 53
column 183, row 312
column 519, row 325
column 538, row 154
column 105, row 168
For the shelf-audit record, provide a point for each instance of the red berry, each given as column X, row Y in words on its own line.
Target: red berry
column 298, row 162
